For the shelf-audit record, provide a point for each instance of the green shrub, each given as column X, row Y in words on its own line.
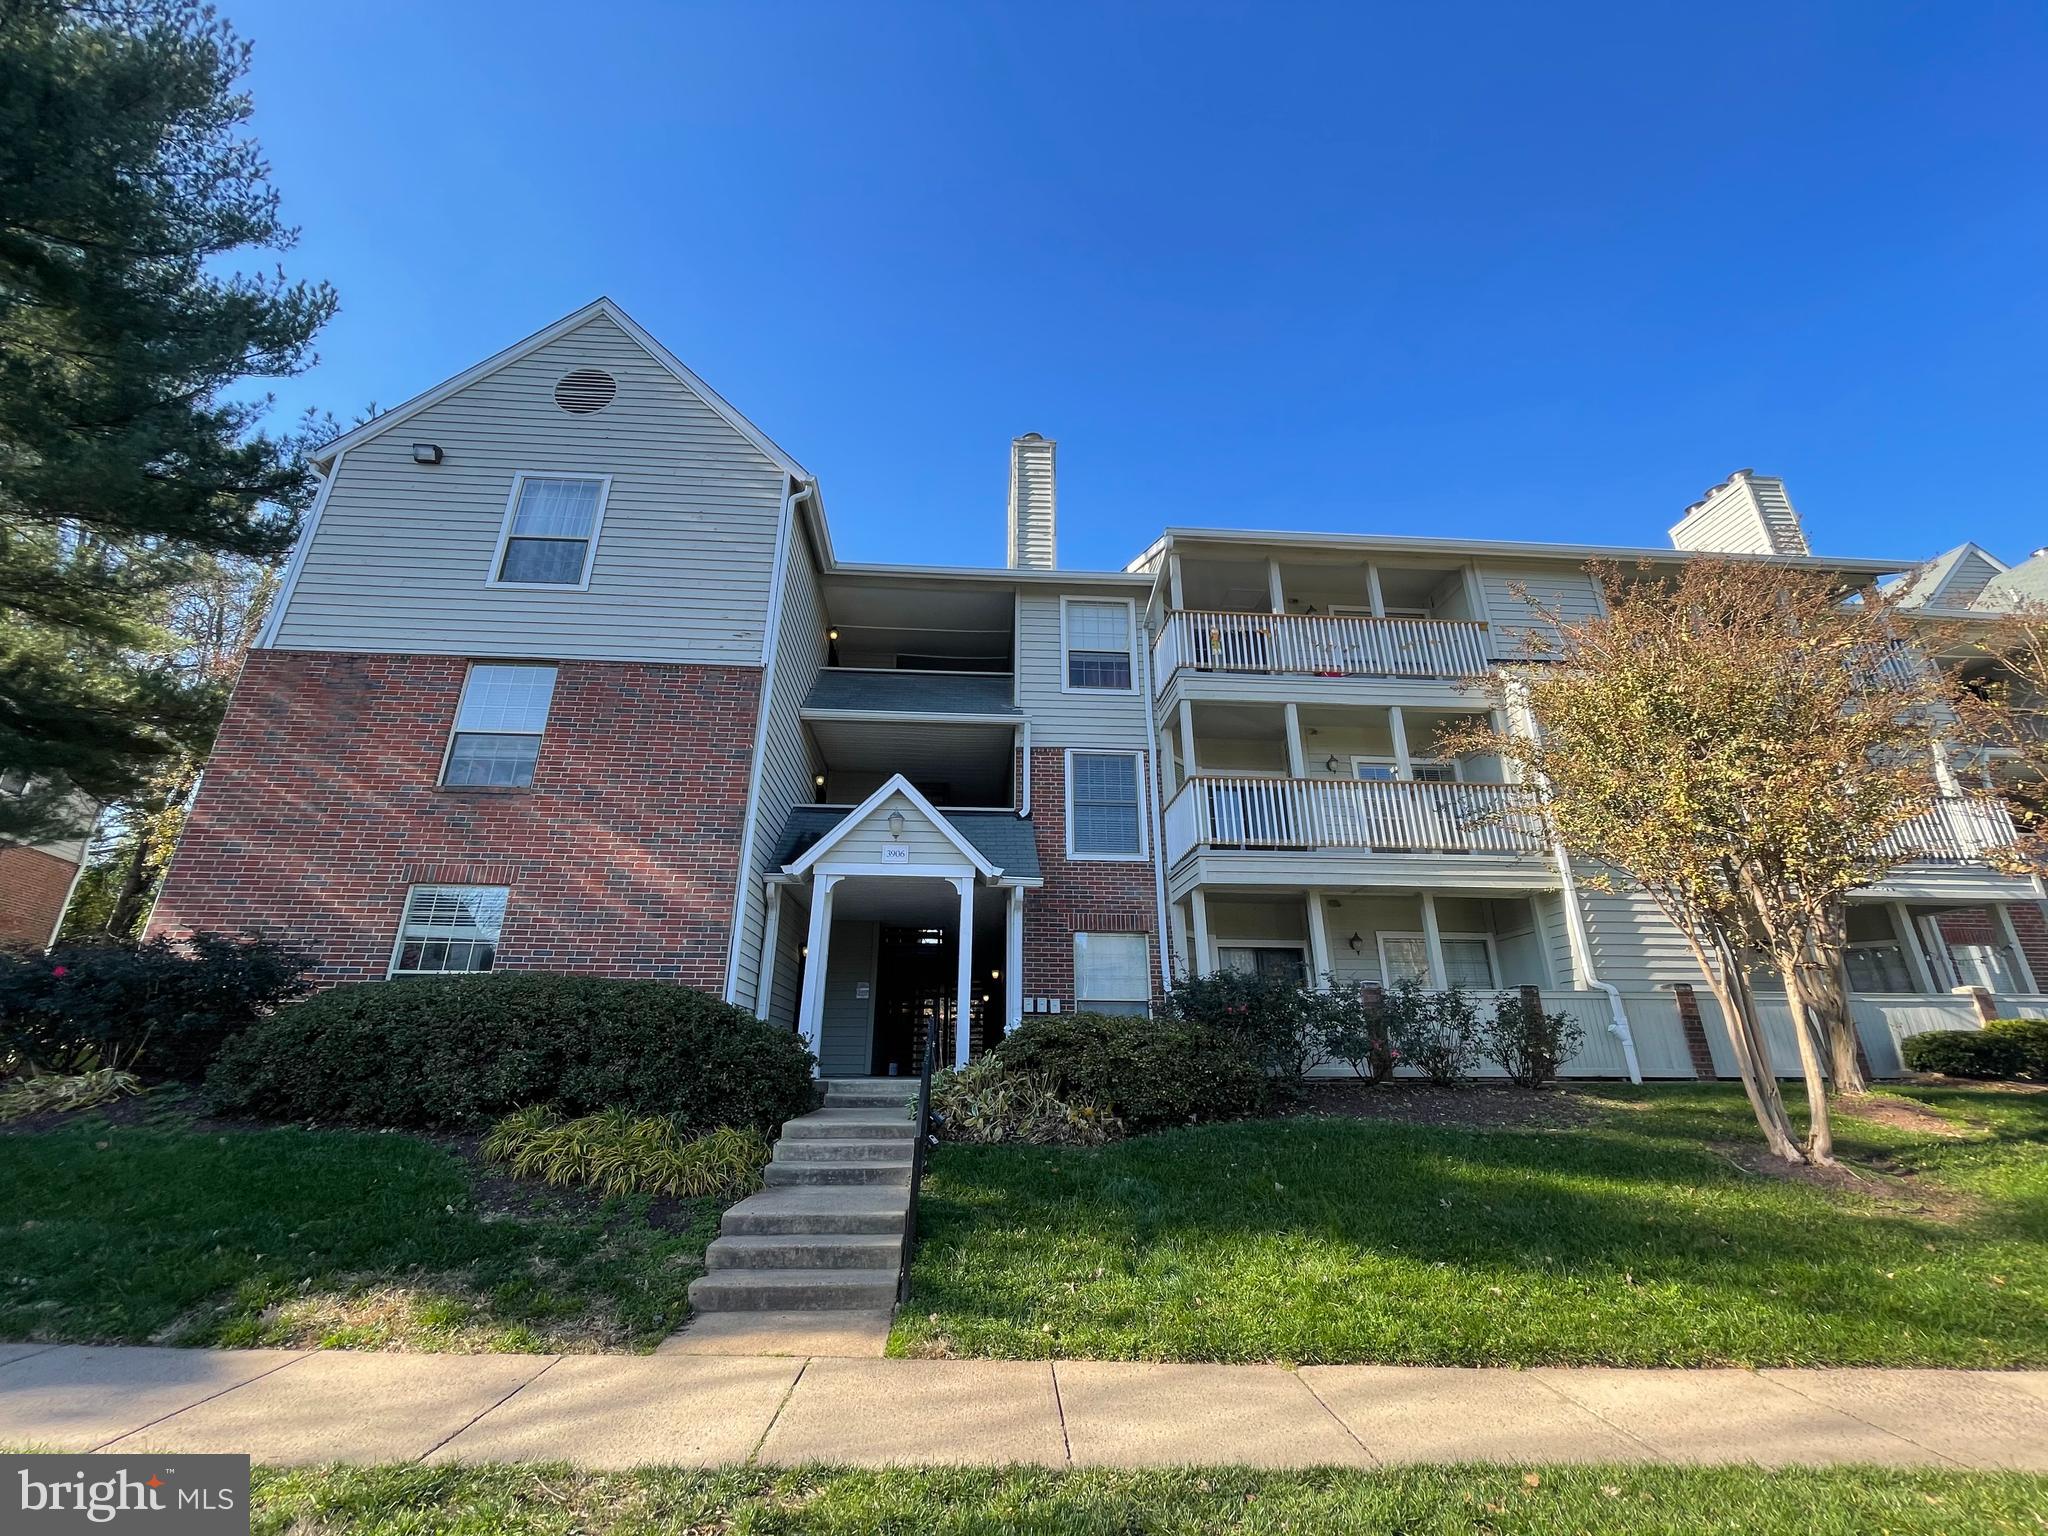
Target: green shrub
column 620, row 1155
column 989, row 1101
column 1272, row 1020
column 1149, row 1073
column 1529, row 1044
column 453, row 1053
column 161, row 1007
column 1355, row 1031
column 2008, row 1048
column 1437, row 1033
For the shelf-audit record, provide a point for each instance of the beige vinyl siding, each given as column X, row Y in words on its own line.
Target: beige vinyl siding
column 785, row 767
column 927, row 844
column 1634, row 947
column 1571, row 591
column 1061, row 719
column 846, row 1041
column 403, row 552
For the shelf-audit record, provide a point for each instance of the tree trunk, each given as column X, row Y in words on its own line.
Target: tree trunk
column 1824, row 989
column 1820, row 1138
column 1753, row 1062
column 127, row 903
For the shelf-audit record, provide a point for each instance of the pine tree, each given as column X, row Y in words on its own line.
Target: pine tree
column 126, row 458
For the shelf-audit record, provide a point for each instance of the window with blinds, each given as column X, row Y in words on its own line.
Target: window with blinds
column 449, row 928
column 499, row 724
column 550, row 532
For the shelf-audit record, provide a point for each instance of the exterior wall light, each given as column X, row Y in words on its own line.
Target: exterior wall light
column 832, row 634
column 1357, row 942
column 818, row 782
column 1330, row 762
column 426, row 453
column 895, row 823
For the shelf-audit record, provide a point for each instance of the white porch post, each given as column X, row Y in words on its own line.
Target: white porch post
column 1318, row 942
column 810, row 1018
column 1187, row 740
column 1373, row 594
column 2022, row 967
column 1173, row 589
column 1909, row 942
column 1013, row 961
column 1936, row 945
column 771, row 934
column 1433, row 941
column 1177, row 915
column 1297, row 763
column 1397, row 727
column 1273, row 587
column 963, row 1005
column 1198, row 908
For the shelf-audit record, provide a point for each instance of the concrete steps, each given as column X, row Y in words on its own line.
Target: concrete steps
column 826, row 1234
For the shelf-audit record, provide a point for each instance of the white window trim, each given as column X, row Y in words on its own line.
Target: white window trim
column 1144, row 853
column 391, row 969
column 455, row 724
column 1130, row 641
column 1218, row 943
column 1144, row 967
column 1381, row 759
column 1492, row 950
column 519, row 479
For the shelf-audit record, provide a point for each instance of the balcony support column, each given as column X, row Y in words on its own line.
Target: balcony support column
column 1198, row 909
column 811, row 1012
column 1433, row 941
column 1397, row 727
column 1320, row 976
column 1274, row 592
column 1909, row 943
column 1177, row 917
column 1173, row 590
column 1188, row 766
column 1945, row 773
column 1297, row 763
column 1373, row 595
column 2022, row 967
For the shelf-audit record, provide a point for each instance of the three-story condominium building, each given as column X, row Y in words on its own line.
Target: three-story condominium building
column 565, row 675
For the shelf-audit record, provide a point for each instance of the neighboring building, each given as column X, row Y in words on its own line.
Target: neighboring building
column 36, row 880
column 565, row 675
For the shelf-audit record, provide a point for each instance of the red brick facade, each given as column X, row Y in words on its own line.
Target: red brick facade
column 1079, row 895
column 33, row 888
column 322, row 802
column 1979, row 926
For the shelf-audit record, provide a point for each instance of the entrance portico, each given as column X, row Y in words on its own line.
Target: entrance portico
column 909, row 925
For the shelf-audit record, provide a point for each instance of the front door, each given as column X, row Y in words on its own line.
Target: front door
column 916, row 973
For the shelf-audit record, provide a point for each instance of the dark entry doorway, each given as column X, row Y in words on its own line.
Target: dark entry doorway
column 916, row 974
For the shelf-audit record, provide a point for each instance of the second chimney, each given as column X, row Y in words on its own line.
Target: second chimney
column 1034, row 503
column 1746, row 514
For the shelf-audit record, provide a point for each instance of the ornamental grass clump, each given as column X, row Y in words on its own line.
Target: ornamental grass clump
column 988, row 1101
column 65, row 1092
column 618, row 1154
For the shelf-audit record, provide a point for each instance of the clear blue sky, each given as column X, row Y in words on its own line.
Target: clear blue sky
column 1529, row 270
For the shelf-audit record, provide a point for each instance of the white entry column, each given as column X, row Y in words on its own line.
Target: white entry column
column 810, row 1018
column 963, row 1006
column 1013, row 961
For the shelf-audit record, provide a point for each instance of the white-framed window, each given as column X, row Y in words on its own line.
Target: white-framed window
column 1877, row 965
column 1268, row 961
column 1112, row 973
column 1105, row 806
column 449, row 928
column 1095, row 644
column 1469, row 960
column 549, row 538
column 1421, row 770
column 498, row 726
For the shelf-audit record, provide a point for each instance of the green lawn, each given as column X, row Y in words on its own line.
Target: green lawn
column 505, row 1501
column 161, row 1232
column 1633, row 1239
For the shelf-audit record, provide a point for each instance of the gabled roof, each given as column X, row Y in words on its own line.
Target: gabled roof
column 897, row 785
column 1006, row 840
column 1952, row 579
column 398, row 415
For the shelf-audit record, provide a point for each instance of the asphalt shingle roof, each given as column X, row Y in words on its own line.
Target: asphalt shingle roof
column 1004, row 838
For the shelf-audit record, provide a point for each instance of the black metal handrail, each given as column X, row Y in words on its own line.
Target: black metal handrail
column 924, row 1119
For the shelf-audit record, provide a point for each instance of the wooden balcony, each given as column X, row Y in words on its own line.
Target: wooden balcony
column 1368, row 816
column 1318, row 645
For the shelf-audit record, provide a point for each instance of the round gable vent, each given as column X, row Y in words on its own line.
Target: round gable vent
column 585, row 390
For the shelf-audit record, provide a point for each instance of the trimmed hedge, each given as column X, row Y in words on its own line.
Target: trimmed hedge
column 454, row 1053
column 1150, row 1073
column 2014, row 1048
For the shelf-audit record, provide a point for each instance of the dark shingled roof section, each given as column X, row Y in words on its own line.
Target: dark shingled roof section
column 930, row 693
column 1004, row 838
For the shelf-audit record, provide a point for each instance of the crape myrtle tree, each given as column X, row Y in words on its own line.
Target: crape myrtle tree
column 2009, row 708
column 131, row 443
column 1740, row 742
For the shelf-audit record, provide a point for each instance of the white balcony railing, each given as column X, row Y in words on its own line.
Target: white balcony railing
column 1373, row 816
column 1952, row 831
column 1318, row 645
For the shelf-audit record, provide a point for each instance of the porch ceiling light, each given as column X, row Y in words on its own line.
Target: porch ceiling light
column 895, row 823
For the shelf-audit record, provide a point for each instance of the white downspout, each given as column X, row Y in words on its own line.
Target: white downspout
column 1574, row 917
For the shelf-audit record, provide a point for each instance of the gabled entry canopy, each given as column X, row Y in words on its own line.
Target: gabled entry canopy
column 921, row 840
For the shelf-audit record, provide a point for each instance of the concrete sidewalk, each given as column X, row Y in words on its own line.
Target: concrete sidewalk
column 607, row 1411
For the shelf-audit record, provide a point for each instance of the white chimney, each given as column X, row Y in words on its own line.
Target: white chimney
column 1034, row 503
column 1746, row 514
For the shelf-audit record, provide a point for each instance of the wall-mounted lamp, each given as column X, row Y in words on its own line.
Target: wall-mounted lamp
column 995, row 975
column 832, row 635
column 426, row 453
column 895, row 823
column 818, row 782
column 1357, row 942
column 1330, row 762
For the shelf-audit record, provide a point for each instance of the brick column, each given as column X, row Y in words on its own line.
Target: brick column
column 1695, row 1029
column 1987, row 1005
